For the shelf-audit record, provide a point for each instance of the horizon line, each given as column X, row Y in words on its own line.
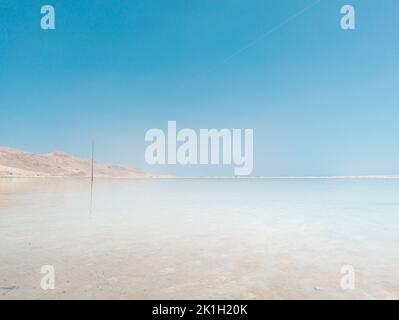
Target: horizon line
column 292, row 177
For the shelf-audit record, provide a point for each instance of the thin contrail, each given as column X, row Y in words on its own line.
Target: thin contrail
column 270, row 31
column 260, row 37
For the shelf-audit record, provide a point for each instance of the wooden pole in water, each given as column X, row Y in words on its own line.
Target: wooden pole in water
column 92, row 176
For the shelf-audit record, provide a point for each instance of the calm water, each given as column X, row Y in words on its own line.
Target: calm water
column 228, row 238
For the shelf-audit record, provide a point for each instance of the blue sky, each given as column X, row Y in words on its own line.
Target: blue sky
column 321, row 101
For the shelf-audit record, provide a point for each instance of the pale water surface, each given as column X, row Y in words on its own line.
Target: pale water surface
column 198, row 238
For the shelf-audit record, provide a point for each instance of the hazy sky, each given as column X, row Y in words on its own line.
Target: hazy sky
column 321, row 101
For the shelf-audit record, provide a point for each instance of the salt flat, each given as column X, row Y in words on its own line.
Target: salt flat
column 205, row 239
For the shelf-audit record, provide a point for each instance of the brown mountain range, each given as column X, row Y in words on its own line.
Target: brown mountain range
column 15, row 163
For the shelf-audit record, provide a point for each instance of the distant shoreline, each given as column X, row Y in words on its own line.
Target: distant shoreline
column 294, row 177
column 209, row 178
column 86, row 178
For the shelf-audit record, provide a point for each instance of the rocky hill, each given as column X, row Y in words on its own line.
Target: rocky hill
column 15, row 163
